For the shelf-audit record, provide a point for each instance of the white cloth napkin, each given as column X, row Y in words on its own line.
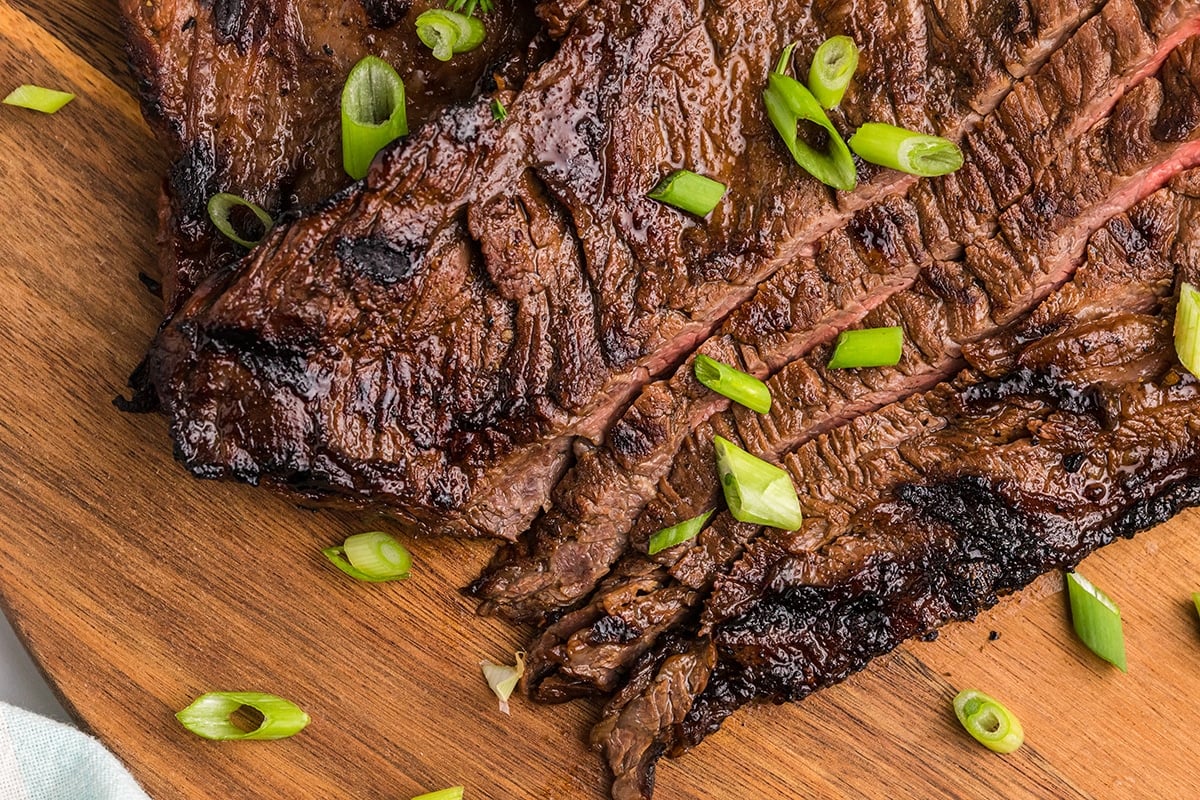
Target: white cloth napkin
column 41, row 759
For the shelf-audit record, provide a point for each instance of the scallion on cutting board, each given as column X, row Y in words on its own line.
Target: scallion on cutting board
column 373, row 556
column 211, row 716
column 37, row 98
column 986, row 719
column 1097, row 620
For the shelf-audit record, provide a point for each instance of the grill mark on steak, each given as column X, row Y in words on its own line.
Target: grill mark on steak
column 570, row 669
column 522, row 583
column 937, row 540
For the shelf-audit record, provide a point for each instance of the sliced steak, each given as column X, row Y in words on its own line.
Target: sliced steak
column 927, row 511
column 1106, row 172
column 245, row 97
column 437, row 339
column 884, row 250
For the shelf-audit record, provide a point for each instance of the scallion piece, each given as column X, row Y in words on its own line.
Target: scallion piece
column 756, row 491
column 832, row 69
column 869, row 347
column 375, row 557
column 678, row 533
column 1187, row 328
column 788, row 104
column 499, row 112
column 1097, row 620
column 453, row 793
column 448, row 32
column 503, row 679
column 988, row 721
column 1196, row 601
column 209, row 716
column 468, row 6
column 37, row 98
column 220, row 210
column 689, row 192
column 733, row 383
column 373, row 113
column 905, row 150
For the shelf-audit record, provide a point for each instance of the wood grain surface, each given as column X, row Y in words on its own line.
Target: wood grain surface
column 137, row 587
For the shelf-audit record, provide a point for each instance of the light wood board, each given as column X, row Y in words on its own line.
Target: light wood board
column 137, row 587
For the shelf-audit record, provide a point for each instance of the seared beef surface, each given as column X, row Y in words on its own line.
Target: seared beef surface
column 246, row 98
column 880, row 253
column 441, row 338
column 493, row 334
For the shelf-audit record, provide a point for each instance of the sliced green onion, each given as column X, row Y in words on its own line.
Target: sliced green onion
column 788, row 104
column 468, row 6
column 220, row 209
column 503, row 679
column 756, row 491
column 499, row 112
column 448, row 32
column 988, row 721
column 678, row 533
column 373, row 113
column 209, row 716
column 690, row 192
column 905, row 150
column 832, row 69
column 869, row 347
column 1196, row 601
column 38, row 98
column 733, row 383
column 1097, row 620
column 453, row 793
column 1187, row 328
column 374, row 556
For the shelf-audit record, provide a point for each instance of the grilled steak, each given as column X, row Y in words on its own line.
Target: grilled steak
column 438, row 339
column 1079, row 430
column 881, row 252
column 245, row 97
column 1103, row 173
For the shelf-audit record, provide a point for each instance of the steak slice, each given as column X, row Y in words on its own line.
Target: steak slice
column 927, row 511
column 437, row 339
column 882, row 251
column 1104, row 173
column 271, row 133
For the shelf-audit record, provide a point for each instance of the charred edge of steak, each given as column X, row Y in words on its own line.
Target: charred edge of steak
column 143, row 399
column 995, row 548
column 385, row 13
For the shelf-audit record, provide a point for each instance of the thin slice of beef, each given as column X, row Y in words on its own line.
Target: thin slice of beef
column 245, row 98
column 927, row 511
column 436, row 340
column 663, row 443
column 1104, row 173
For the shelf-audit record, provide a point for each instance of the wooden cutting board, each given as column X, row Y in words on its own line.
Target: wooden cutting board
column 137, row 587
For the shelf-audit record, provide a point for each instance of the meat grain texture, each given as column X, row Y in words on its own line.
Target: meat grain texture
column 492, row 334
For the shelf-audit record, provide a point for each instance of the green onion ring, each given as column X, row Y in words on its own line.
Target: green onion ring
column 209, row 716
column 833, row 67
column 373, row 113
column 447, row 33
column 374, row 556
column 986, row 719
column 221, row 206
